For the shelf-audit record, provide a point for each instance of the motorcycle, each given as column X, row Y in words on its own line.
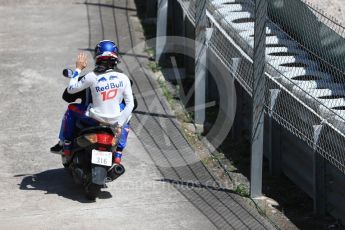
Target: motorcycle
column 91, row 158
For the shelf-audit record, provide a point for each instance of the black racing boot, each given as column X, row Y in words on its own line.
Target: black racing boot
column 57, row 148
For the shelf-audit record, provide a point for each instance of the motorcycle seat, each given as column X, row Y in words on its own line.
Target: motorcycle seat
column 97, row 129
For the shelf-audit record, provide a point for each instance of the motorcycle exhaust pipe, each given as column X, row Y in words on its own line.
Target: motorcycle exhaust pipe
column 119, row 169
column 115, row 172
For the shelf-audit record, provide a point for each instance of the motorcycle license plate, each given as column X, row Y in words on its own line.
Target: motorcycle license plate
column 101, row 157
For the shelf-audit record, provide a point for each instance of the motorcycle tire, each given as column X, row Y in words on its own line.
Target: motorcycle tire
column 92, row 190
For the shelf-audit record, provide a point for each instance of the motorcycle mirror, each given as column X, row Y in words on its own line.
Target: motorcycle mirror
column 67, row 73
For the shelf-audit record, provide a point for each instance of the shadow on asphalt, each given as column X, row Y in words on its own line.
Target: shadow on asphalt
column 191, row 184
column 154, row 114
column 56, row 181
column 107, row 6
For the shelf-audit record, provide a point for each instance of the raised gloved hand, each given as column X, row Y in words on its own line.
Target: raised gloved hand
column 81, row 62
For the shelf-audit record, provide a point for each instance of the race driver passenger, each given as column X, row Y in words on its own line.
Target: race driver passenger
column 111, row 92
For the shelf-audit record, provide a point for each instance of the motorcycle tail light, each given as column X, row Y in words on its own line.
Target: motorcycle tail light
column 103, row 138
column 106, row 139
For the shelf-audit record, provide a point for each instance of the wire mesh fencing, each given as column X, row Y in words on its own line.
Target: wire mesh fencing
column 189, row 8
column 304, row 72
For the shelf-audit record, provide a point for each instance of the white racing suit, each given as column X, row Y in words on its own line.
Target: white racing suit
column 108, row 90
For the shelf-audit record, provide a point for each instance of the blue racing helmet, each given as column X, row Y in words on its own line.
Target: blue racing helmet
column 106, row 48
column 106, row 55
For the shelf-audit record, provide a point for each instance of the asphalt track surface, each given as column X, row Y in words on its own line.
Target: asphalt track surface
column 165, row 186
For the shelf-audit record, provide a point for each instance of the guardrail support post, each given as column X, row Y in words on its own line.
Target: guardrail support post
column 274, row 151
column 162, row 21
column 319, row 189
column 237, row 126
column 202, row 35
column 258, row 108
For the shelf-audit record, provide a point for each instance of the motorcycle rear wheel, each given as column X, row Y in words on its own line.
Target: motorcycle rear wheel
column 92, row 190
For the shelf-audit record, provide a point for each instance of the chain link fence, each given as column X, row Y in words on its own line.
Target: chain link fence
column 189, row 8
column 304, row 74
